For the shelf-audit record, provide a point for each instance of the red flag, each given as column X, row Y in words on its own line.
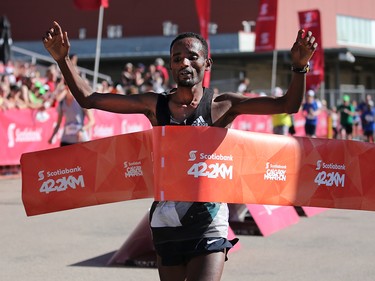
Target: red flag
column 204, row 12
column 265, row 28
column 310, row 20
column 90, row 4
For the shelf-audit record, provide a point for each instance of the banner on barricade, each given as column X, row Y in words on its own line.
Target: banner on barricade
column 27, row 130
column 23, row 131
column 270, row 218
column 201, row 164
column 257, row 219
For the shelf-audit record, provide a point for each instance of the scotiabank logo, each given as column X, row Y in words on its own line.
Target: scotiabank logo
column 275, row 172
column 61, row 179
column 133, row 169
column 330, row 174
column 333, row 166
column 23, row 135
column 264, row 38
column 263, row 9
column 214, row 156
column 210, row 170
column 311, row 17
column 192, row 155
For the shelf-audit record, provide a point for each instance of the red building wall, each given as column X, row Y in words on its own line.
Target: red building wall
column 29, row 19
column 288, row 17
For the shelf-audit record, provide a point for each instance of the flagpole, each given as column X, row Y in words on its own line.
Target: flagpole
column 274, row 67
column 98, row 45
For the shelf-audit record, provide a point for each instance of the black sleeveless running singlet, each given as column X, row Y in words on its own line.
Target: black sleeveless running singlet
column 200, row 117
column 178, row 221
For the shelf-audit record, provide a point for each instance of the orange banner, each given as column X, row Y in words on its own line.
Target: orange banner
column 102, row 171
column 201, row 164
column 214, row 164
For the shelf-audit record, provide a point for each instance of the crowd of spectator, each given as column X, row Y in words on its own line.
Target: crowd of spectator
column 349, row 119
column 23, row 86
column 139, row 78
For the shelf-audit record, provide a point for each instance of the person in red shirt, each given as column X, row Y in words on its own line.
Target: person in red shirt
column 159, row 63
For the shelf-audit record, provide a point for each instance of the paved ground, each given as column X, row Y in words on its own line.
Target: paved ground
column 77, row 244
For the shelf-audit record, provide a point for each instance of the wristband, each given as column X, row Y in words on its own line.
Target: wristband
column 302, row 70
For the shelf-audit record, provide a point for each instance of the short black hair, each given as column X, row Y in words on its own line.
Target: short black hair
column 191, row 35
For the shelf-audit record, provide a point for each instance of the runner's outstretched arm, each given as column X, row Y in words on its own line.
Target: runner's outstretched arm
column 57, row 44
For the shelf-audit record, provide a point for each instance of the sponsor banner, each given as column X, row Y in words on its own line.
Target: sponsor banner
column 24, row 131
column 214, row 164
column 203, row 8
column 271, row 218
column 207, row 164
column 310, row 20
column 109, row 124
column 223, row 165
column 312, row 211
column 28, row 130
column 85, row 174
column 265, row 28
column 254, row 123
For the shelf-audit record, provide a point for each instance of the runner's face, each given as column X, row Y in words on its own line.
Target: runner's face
column 187, row 62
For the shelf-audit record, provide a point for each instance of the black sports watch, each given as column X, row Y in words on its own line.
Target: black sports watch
column 302, row 70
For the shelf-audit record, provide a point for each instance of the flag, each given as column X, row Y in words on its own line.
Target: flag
column 265, row 28
column 90, row 4
column 203, row 8
column 95, row 5
column 310, row 21
column 203, row 11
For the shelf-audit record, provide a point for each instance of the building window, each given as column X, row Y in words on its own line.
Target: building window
column 170, row 28
column 114, row 31
column 355, row 31
column 82, row 33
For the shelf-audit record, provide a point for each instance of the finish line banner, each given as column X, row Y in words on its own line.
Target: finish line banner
column 85, row 174
column 201, row 164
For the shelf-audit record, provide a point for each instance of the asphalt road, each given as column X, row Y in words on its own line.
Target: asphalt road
column 77, row 245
